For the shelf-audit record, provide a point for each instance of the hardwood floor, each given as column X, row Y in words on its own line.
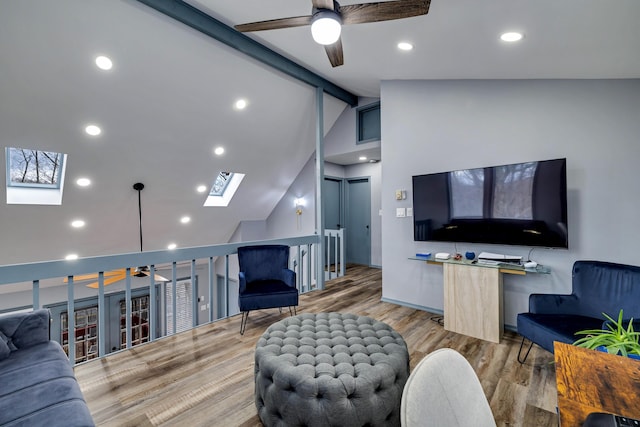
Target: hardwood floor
column 205, row 376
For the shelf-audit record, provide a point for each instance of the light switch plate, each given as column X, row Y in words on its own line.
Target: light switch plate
column 400, row 212
column 409, row 211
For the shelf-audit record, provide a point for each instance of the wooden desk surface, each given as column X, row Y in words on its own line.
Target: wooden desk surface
column 593, row 381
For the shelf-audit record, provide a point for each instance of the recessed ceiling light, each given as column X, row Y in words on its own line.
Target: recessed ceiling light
column 78, row 223
column 511, row 37
column 104, row 63
column 405, row 46
column 83, row 182
column 185, row 219
column 219, row 151
column 93, row 130
column 241, row 104
column 172, row 246
column 71, row 257
column 362, row 158
column 201, row 188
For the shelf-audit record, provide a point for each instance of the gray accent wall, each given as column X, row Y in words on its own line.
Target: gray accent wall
column 435, row 126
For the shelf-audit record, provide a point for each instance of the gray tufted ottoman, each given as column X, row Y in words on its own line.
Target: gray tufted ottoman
column 330, row 369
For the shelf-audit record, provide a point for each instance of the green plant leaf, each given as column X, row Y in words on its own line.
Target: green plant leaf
column 616, row 338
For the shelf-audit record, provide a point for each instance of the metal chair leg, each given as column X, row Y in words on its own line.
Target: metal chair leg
column 520, row 351
column 243, row 322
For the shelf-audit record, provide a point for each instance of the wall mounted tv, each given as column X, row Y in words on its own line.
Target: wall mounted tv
column 517, row 204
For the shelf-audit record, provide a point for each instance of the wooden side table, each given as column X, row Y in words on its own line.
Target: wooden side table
column 593, row 381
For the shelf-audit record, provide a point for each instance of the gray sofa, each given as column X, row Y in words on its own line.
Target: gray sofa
column 37, row 385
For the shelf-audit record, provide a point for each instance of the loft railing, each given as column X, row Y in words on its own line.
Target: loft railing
column 334, row 256
column 212, row 262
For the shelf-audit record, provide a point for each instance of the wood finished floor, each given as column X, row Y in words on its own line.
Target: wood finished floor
column 204, row 377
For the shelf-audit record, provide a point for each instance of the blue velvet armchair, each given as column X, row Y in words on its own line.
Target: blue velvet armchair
column 597, row 287
column 265, row 280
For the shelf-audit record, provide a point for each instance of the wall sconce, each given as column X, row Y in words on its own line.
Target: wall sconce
column 299, row 203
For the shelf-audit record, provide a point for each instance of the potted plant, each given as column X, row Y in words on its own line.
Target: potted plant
column 615, row 339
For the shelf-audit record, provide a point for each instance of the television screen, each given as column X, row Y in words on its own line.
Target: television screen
column 518, row 204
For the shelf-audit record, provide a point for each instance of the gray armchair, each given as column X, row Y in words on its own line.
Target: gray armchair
column 443, row 390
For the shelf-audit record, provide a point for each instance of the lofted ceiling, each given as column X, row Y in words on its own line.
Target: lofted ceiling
column 168, row 101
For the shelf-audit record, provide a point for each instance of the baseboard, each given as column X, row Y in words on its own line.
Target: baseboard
column 414, row 306
column 433, row 310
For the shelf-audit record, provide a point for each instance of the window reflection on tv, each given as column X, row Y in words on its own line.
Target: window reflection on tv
column 517, row 204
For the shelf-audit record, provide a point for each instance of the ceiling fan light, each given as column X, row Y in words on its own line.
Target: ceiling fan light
column 326, row 27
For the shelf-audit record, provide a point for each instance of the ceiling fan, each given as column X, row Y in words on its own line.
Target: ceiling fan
column 121, row 274
column 327, row 18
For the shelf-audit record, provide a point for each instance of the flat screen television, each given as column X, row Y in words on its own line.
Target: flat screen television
column 518, row 204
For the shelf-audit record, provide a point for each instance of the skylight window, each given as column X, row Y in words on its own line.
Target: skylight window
column 220, row 184
column 223, row 188
column 34, row 168
column 34, row 177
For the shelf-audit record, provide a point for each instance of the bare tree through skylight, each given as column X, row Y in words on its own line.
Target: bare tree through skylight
column 34, row 167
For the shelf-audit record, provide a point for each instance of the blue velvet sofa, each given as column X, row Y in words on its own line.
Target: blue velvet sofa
column 597, row 287
column 37, row 385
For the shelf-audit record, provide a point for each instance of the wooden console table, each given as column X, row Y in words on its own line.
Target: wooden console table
column 473, row 296
column 593, row 381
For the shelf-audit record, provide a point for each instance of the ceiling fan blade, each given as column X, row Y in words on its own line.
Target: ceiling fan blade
column 383, row 11
column 335, row 54
column 275, row 24
column 323, row 4
column 94, row 276
column 156, row 277
column 108, row 281
column 159, row 278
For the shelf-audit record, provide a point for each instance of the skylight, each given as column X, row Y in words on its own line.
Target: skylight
column 223, row 188
column 220, row 184
column 34, row 177
column 34, row 168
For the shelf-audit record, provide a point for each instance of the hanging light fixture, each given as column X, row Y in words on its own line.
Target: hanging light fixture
column 325, row 27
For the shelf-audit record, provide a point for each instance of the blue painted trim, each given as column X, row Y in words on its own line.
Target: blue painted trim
column 414, row 306
column 127, row 303
column 53, row 269
column 226, row 284
column 36, row 294
column 102, row 313
column 433, row 310
column 71, row 322
column 194, row 295
column 211, row 290
column 320, row 186
column 174, row 297
column 198, row 20
column 153, row 304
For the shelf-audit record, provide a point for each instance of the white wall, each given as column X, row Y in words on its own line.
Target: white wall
column 283, row 221
column 434, row 126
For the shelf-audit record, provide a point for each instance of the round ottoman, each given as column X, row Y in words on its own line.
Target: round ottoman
column 330, row 369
